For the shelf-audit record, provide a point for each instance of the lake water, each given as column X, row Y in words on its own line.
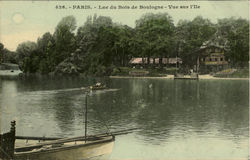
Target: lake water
column 178, row 119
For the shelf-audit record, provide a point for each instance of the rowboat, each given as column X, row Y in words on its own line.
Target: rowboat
column 192, row 76
column 97, row 86
column 79, row 148
column 40, row 148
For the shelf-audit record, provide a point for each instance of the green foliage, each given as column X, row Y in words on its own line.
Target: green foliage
column 7, row 56
column 236, row 31
column 65, row 42
column 233, row 73
column 1, row 52
column 155, row 35
column 101, row 47
column 103, row 44
column 191, row 35
column 28, row 57
column 46, row 47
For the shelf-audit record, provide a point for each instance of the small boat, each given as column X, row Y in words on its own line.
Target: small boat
column 98, row 86
column 40, row 148
column 192, row 76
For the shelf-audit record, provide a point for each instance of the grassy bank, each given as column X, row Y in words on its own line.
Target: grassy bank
column 146, row 72
column 163, row 72
column 233, row 73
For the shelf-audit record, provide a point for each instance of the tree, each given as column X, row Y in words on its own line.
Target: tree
column 155, row 35
column 46, row 47
column 236, row 32
column 1, row 52
column 123, row 45
column 191, row 35
column 28, row 57
column 95, row 42
column 65, row 42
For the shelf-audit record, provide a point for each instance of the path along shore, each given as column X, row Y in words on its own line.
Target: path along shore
column 206, row 76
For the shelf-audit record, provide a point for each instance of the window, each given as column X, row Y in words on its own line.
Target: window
column 221, row 59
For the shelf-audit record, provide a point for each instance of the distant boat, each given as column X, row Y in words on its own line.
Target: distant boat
column 97, row 86
column 192, row 76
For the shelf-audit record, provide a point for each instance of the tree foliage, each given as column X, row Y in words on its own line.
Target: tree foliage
column 65, row 42
column 28, row 57
column 100, row 45
column 1, row 52
column 191, row 35
column 236, row 32
column 155, row 35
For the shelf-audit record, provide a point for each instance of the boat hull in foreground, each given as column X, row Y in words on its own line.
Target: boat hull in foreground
column 75, row 150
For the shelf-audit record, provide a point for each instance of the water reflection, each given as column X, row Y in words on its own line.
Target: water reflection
column 169, row 113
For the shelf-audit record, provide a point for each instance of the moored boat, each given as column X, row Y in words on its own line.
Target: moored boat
column 97, row 146
column 40, row 148
column 192, row 76
column 79, row 148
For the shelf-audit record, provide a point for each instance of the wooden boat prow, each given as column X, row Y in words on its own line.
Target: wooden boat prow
column 98, row 146
column 64, row 149
column 40, row 148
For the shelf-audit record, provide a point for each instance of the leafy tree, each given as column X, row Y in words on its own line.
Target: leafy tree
column 101, row 45
column 123, row 45
column 191, row 35
column 45, row 47
column 96, row 43
column 236, row 32
column 65, row 42
column 28, row 57
column 1, row 52
column 7, row 56
column 155, row 35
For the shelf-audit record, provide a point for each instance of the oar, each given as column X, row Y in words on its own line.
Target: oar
column 120, row 132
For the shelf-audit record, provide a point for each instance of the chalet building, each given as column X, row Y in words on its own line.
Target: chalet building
column 155, row 61
column 212, row 59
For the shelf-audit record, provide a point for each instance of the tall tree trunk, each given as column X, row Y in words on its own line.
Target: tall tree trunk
column 148, row 60
column 160, row 61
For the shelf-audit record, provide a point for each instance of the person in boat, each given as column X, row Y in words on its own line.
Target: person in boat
column 98, row 84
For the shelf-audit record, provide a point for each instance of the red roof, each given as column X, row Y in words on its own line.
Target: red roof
column 164, row 60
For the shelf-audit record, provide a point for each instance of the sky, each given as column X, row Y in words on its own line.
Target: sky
column 22, row 21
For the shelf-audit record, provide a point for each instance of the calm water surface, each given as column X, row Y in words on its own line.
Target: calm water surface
column 178, row 119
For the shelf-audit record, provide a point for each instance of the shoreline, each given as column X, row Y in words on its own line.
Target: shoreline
column 7, row 73
column 201, row 77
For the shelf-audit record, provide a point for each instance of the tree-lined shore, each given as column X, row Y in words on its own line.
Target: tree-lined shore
column 101, row 46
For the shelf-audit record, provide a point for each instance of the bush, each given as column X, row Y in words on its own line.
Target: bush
column 233, row 73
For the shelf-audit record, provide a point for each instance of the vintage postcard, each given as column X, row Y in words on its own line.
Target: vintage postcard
column 124, row 80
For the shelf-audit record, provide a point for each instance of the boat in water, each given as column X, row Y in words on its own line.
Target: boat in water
column 40, row 148
column 95, row 147
column 192, row 76
column 97, row 86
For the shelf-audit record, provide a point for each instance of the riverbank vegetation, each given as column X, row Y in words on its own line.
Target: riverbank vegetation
column 233, row 73
column 102, row 47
